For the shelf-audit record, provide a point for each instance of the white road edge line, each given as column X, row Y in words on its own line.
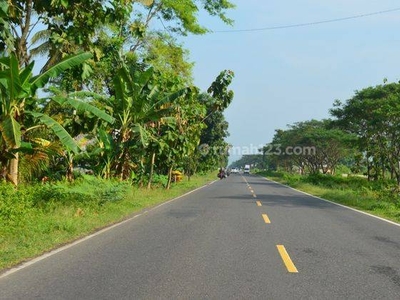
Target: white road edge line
column 348, row 207
column 55, row 251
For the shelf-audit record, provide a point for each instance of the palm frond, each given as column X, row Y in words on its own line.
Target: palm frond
column 40, row 50
column 67, row 63
column 41, row 36
column 11, row 132
column 64, row 137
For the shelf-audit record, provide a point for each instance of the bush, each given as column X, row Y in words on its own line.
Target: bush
column 389, row 194
column 291, row 178
column 88, row 191
column 338, row 182
column 160, row 180
column 342, row 169
column 14, row 203
column 328, row 181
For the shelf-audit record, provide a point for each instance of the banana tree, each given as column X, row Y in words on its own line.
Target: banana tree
column 138, row 106
column 18, row 88
column 180, row 140
column 78, row 113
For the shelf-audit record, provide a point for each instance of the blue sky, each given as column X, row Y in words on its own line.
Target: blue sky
column 295, row 74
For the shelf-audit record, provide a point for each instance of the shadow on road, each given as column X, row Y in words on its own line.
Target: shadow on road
column 287, row 201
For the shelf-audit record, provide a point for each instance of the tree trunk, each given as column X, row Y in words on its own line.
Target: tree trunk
column 107, row 170
column 121, row 161
column 13, row 170
column 22, row 41
column 169, row 178
column 398, row 176
column 70, row 167
column 369, row 171
column 153, row 159
column 123, row 165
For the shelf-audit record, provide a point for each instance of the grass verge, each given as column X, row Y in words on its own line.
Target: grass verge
column 377, row 198
column 37, row 219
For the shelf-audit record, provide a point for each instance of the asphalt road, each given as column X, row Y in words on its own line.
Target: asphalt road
column 239, row 238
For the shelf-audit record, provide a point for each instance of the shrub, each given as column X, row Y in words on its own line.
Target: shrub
column 160, row 180
column 14, row 203
column 87, row 192
column 342, row 169
column 291, row 178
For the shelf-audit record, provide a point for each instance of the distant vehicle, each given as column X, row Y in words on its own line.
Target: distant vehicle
column 246, row 169
column 235, row 171
column 222, row 174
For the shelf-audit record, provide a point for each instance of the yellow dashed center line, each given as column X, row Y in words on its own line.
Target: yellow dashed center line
column 266, row 219
column 252, row 191
column 286, row 259
column 281, row 249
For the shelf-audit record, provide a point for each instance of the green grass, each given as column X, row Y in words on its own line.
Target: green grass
column 36, row 219
column 378, row 198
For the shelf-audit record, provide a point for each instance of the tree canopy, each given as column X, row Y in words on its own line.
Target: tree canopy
column 373, row 115
column 124, row 106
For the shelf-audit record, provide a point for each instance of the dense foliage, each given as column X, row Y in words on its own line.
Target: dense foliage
column 308, row 147
column 363, row 139
column 115, row 96
column 373, row 115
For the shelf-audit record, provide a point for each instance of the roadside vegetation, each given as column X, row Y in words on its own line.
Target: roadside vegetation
column 37, row 218
column 353, row 158
column 375, row 197
column 114, row 98
column 108, row 123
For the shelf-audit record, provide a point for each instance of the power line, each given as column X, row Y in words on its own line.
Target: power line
column 309, row 23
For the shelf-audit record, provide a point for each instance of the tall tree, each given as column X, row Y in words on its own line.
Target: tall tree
column 139, row 105
column 68, row 26
column 214, row 150
column 315, row 146
column 17, row 94
column 373, row 114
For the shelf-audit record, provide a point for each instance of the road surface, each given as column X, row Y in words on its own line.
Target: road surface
column 239, row 238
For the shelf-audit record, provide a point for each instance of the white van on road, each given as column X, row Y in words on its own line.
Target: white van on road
column 246, row 169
